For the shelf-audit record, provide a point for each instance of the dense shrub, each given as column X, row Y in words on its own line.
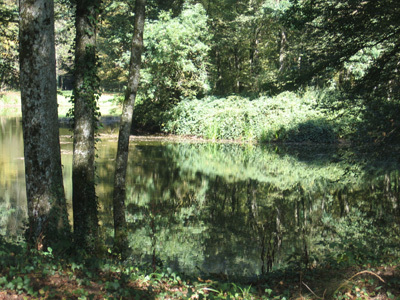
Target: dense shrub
column 286, row 117
column 315, row 131
column 148, row 116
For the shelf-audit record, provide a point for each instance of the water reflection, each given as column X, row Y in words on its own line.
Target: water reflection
column 12, row 177
column 245, row 210
column 232, row 209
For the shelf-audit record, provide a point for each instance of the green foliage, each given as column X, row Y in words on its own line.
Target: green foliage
column 109, row 278
column 154, row 7
column 357, row 240
column 337, row 36
column 247, row 52
column 286, row 117
column 5, row 211
column 364, row 285
column 24, row 274
column 89, row 89
column 380, row 122
column 225, row 46
column 175, row 59
column 315, row 131
column 64, row 35
column 115, row 34
column 175, row 56
column 174, row 64
column 9, row 68
column 352, row 45
column 148, row 115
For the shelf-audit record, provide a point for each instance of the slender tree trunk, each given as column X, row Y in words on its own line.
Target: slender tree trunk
column 47, row 212
column 282, row 52
column 125, row 129
column 85, row 118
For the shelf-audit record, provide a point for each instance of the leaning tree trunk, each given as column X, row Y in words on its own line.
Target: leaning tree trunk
column 85, row 117
column 125, row 129
column 47, row 211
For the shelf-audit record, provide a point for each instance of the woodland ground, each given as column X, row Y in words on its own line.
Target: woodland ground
column 50, row 278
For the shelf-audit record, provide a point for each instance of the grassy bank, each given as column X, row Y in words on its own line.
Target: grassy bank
column 287, row 117
column 314, row 116
column 44, row 275
column 10, row 104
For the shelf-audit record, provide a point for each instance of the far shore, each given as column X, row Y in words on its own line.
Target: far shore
column 10, row 104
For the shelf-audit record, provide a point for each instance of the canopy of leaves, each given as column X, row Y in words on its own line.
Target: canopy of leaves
column 340, row 33
column 64, row 34
column 115, row 34
column 8, row 44
column 354, row 45
column 246, row 44
column 175, row 63
column 176, row 54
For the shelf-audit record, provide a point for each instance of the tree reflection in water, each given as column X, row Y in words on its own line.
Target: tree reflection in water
column 231, row 209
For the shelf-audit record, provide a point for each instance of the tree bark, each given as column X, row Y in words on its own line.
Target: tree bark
column 125, row 129
column 85, row 117
column 47, row 211
column 282, row 52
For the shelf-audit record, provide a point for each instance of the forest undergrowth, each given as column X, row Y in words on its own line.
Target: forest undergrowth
column 33, row 274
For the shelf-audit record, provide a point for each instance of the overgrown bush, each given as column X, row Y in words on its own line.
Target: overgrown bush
column 286, row 117
column 148, row 115
column 315, row 131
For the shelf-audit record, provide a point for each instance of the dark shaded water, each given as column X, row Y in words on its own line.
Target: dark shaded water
column 232, row 209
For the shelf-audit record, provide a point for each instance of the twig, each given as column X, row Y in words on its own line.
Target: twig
column 366, row 271
column 312, row 290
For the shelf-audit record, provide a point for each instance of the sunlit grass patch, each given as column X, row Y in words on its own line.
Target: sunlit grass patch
column 10, row 104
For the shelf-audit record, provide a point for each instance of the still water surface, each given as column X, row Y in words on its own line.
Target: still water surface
column 231, row 209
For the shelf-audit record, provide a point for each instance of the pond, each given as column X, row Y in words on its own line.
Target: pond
column 231, row 209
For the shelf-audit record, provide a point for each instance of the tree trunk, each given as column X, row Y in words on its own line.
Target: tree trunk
column 282, row 52
column 125, row 128
column 47, row 211
column 85, row 117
